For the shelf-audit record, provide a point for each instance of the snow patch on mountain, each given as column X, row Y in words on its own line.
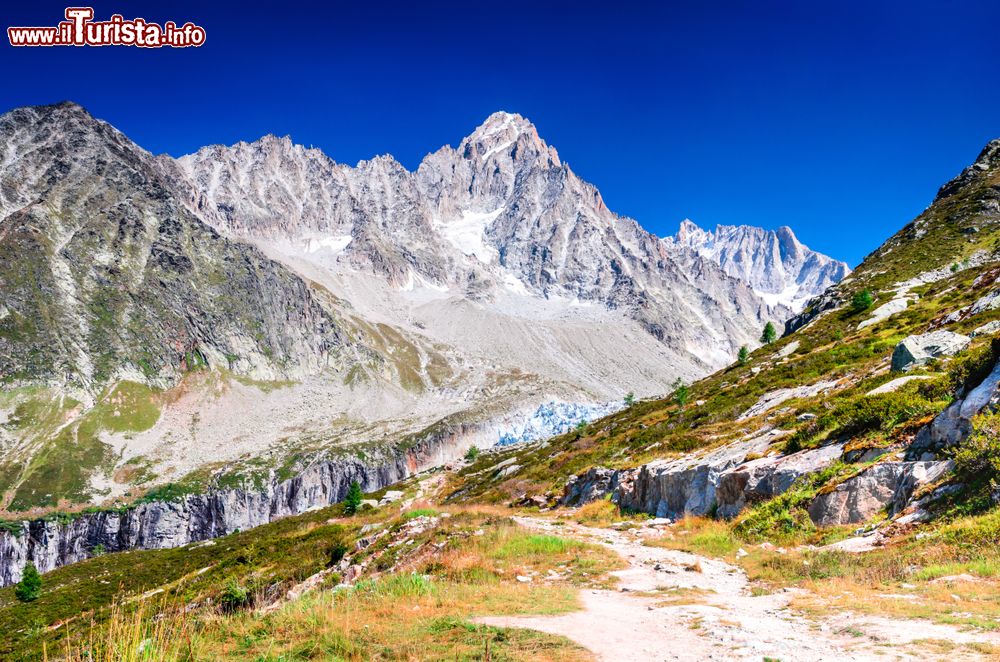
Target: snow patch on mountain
column 466, row 233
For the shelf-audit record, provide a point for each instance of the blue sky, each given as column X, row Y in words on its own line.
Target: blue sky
column 839, row 119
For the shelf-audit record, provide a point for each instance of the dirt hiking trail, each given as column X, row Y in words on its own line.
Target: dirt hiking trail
column 703, row 610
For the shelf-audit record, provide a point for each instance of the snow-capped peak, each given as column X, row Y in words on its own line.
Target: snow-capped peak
column 779, row 268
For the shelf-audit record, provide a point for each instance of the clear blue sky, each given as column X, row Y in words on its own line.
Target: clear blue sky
column 839, row 119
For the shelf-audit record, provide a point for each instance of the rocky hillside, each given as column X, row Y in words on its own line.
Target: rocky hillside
column 779, row 268
column 107, row 276
column 869, row 412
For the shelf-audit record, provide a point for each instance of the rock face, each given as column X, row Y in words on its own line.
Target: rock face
column 767, row 477
column 955, row 423
column 886, row 485
column 775, row 264
column 163, row 524
column 594, row 484
column 107, row 275
column 917, row 350
column 688, row 485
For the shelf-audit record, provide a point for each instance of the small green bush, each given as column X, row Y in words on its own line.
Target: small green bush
column 234, row 596
column 862, row 301
column 472, row 454
column 977, row 459
column 30, row 586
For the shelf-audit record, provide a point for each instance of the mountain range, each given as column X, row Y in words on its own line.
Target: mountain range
column 242, row 311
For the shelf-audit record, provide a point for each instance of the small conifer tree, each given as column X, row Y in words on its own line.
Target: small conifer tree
column 30, row 586
column 769, row 335
column 353, row 499
column 744, row 356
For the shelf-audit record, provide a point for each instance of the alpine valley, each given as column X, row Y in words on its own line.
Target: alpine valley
column 238, row 317
column 260, row 405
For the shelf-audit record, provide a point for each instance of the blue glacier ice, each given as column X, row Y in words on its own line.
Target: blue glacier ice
column 552, row 418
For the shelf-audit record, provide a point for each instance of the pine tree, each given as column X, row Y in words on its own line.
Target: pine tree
column 681, row 392
column 353, row 499
column 30, row 586
column 629, row 399
column 769, row 335
column 744, row 356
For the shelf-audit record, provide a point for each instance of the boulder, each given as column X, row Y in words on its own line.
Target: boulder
column 768, row 477
column 593, row 484
column 917, row 350
column 886, row 485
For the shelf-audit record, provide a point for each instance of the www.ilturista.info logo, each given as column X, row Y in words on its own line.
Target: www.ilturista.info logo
column 79, row 29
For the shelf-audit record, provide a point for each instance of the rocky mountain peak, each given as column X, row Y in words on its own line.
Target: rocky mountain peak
column 779, row 268
column 507, row 135
column 987, row 161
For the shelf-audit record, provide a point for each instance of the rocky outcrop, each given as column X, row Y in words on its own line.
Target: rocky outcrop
column 673, row 488
column 918, row 350
column 51, row 543
column 774, row 398
column 767, row 477
column 888, row 309
column 955, row 423
column 886, row 485
column 896, row 384
column 594, row 484
column 829, row 300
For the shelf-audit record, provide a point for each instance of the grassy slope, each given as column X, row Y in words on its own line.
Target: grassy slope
column 465, row 563
column 830, row 348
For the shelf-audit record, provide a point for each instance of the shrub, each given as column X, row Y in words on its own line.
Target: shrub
column 977, row 459
column 353, row 499
column 866, row 413
column 234, row 596
column 30, row 586
column 629, row 399
column 744, row 355
column 862, row 301
column 769, row 335
column 472, row 454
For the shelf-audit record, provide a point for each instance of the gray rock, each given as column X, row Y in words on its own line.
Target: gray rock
column 955, row 423
column 887, row 310
column 595, row 483
column 772, row 399
column 674, row 488
column 886, row 485
column 987, row 329
column 767, row 477
column 917, row 350
column 895, row 384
